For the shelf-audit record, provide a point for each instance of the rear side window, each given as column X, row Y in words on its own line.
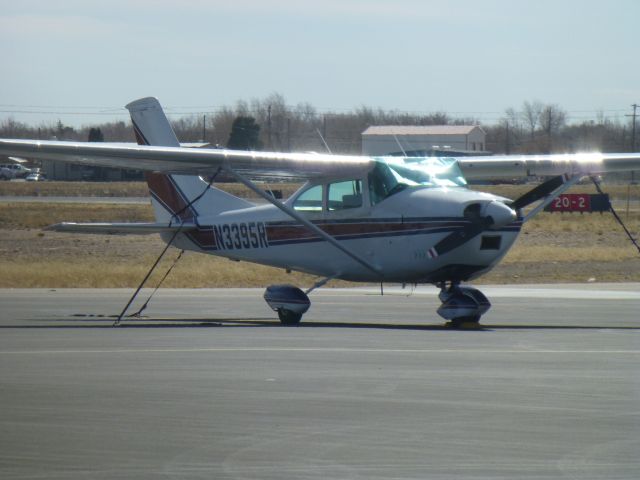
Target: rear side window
column 343, row 195
column 309, row 200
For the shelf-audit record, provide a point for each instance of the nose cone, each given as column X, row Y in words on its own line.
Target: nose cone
column 500, row 213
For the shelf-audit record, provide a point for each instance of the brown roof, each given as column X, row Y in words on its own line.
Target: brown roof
column 420, row 130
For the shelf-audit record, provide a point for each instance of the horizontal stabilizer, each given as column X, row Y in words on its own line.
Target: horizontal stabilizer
column 119, row 228
column 18, row 160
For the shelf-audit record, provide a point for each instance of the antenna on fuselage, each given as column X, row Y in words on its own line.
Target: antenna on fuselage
column 395, row 137
column 326, row 145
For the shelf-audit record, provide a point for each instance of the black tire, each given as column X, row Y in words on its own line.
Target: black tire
column 462, row 321
column 287, row 317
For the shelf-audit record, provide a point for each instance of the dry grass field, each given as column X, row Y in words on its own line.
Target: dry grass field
column 618, row 192
column 139, row 189
column 551, row 248
column 115, row 189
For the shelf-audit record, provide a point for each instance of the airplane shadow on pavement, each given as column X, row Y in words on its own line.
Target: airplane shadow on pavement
column 106, row 322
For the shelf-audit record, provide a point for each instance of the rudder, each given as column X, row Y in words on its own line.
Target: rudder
column 172, row 195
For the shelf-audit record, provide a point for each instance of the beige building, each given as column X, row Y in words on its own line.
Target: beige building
column 420, row 140
column 55, row 170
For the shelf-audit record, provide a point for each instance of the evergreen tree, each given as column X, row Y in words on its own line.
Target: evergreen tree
column 95, row 135
column 245, row 133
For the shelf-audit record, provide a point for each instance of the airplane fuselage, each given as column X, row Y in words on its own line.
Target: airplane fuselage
column 395, row 236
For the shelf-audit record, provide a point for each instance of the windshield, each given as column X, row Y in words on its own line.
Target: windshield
column 393, row 174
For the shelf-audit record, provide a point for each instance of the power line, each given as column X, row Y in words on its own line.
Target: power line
column 49, row 112
column 117, row 113
column 200, row 109
column 8, row 105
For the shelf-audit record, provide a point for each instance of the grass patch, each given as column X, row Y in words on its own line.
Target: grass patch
column 39, row 215
column 74, row 189
column 576, row 223
column 562, row 254
column 118, row 189
column 193, row 271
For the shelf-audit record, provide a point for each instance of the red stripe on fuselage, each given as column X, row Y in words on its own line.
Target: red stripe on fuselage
column 300, row 232
column 165, row 190
column 204, row 238
column 207, row 238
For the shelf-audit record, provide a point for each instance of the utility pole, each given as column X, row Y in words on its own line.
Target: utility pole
column 633, row 126
column 549, row 118
column 507, row 146
column 269, row 126
column 204, row 128
column 633, row 136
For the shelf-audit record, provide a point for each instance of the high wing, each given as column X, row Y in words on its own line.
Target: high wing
column 179, row 160
column 202, row 161
column 572, row 164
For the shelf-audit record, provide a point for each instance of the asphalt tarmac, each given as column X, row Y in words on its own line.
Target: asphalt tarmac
column 208, row 385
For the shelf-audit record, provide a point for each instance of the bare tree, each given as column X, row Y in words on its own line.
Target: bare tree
column 531, row 112
column 552, row 119
column 535, row 127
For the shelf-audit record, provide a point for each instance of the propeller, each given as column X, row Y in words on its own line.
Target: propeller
column 538, row 192
column 481, row 217
column 494, row 214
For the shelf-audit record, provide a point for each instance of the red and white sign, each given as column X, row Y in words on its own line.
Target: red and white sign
column 571, row 202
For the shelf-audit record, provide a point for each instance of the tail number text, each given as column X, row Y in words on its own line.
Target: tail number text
column 236, row 236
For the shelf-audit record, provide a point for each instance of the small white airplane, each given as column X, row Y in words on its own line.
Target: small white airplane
column 365, row 219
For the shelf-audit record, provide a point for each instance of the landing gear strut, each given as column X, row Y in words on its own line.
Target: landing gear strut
column 462, row 305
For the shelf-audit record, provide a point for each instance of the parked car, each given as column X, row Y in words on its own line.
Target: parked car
column 19, row 171
column 35, row 177
column 6, row 173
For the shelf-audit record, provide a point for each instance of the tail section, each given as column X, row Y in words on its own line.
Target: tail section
column 150, row 124
column 172, row 196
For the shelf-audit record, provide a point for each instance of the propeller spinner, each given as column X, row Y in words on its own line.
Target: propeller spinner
column 481, row 217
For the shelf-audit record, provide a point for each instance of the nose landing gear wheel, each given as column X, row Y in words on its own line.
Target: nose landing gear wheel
column 287, row 317
column 462, row 306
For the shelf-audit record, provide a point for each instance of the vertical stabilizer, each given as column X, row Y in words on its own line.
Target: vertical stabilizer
column 150, row 124
column 171, row 195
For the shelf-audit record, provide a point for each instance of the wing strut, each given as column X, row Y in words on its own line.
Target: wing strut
column 296, row 216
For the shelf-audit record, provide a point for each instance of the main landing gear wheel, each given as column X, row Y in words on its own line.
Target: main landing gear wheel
column 290, row 302
column 287, row 317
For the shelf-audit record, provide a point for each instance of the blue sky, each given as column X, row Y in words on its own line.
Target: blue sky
column 463, row 57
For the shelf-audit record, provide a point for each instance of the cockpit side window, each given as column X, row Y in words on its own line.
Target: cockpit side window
column 382, row 183
column 343, row 195
column 391, row 175
column 309, row 200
